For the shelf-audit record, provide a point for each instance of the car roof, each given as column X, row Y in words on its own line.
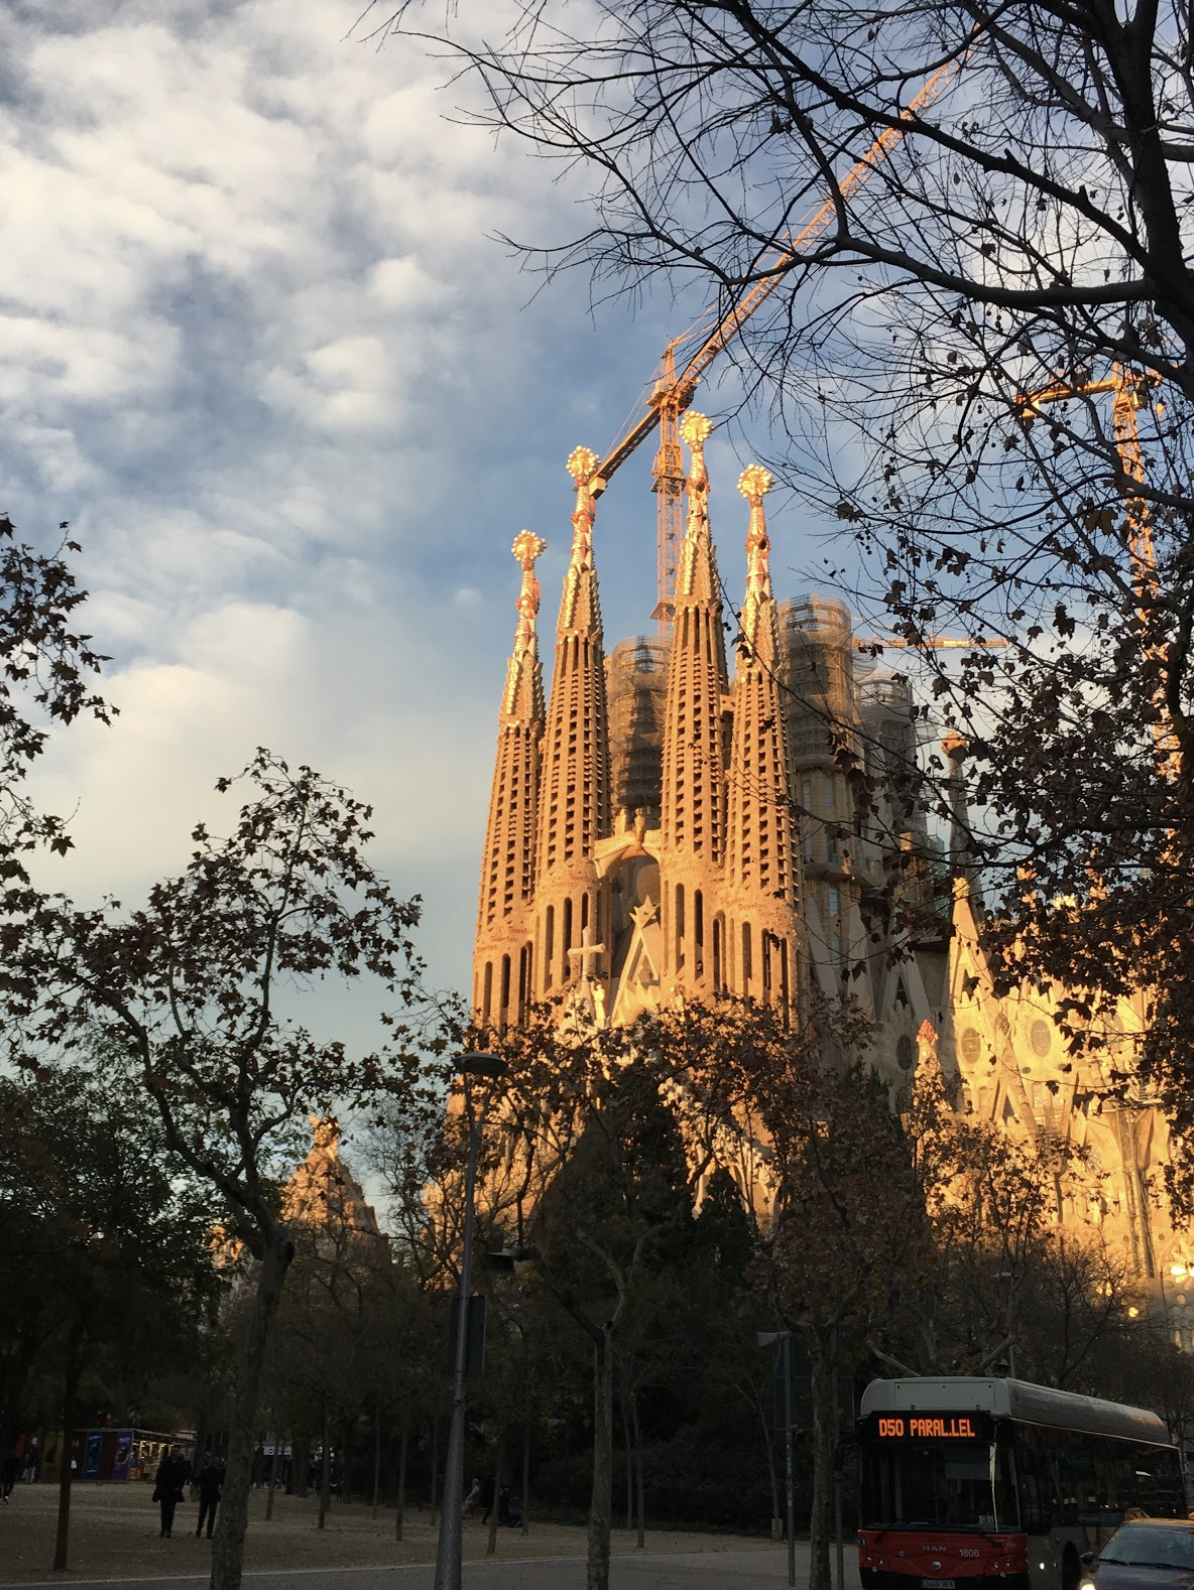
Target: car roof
column 1158, row 1523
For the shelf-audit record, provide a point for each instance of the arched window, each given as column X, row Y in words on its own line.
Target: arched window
column 549, row 944
column 524, row 981
column 698, row 932
column 678, row 926
column 504, row 1002
column 486, row 993
column 719, row 934
column 747, row 967
column 566, row 943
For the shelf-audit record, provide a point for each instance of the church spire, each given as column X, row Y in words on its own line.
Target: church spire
column 693, row 798
column 501, row 960
column 759, row 636
column 524, row 676
column 579, row 607
column 762, row 859
column 574, row 810
column 696, row 578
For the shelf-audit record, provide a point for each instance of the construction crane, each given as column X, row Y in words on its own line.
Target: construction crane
column 927, row 643
column 674, row 390
column 1129, row 389
column 1129, row 394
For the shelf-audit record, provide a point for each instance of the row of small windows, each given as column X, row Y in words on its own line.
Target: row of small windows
column 773, row 972
column 500, row 1012
column 763, row 959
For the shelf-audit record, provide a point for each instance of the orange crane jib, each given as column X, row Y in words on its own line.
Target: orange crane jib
column 673, row 392
column 928, row 643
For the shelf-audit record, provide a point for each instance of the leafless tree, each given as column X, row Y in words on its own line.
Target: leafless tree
column 1021, row 230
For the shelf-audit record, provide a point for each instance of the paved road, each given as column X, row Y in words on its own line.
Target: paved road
column 722, row 1570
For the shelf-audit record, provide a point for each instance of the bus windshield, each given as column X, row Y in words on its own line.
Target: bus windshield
column 937, row 1484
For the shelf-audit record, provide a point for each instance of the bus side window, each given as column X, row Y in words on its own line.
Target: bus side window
column 1115, row 1481
column 1035, row 1483
column 1129, row 1482
column 1067, row 1480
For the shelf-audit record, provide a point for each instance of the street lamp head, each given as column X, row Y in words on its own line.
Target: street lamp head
column 477, row 1064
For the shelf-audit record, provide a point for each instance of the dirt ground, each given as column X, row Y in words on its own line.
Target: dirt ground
column 114, row 1534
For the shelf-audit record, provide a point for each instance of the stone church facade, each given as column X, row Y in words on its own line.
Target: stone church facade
column 661, row 829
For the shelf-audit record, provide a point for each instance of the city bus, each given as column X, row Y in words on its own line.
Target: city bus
column 967, row 1478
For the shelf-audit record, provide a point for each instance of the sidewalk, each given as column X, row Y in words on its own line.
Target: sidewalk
column 114, row 1541
column 729, row 1569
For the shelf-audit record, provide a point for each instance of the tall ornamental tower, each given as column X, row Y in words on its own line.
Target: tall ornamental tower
column 574, row 801
column 692, row 839
column 761, row 892
column 742, row 862
column 501, row 962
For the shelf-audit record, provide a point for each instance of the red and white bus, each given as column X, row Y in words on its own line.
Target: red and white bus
column 967, row 1478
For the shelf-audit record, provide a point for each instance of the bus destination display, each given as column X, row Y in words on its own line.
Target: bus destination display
column 973, row 1426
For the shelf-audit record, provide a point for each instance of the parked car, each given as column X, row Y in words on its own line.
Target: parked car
column 1143, row 1554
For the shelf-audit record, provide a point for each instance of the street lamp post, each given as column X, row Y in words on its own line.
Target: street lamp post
column 448, row 1553
column 782, row 1340
column 1008, row 1298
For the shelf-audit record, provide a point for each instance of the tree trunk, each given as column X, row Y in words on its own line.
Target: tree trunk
column 824, row 1435
column 400, row 1521
column 772, row 1471
column 70, row 1392
column 301, row 1458
column 629, row 1449
column 636, row 1432
column 601, row 1501
column 346, row 1469
column 499, row 1466
column 434, row 1465
column 377, row 1458
column 271, row 1482
column 325, row 1473
column 232, row 1515
column 525, row 1498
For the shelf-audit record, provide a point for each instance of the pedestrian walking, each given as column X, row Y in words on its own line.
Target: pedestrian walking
column 472, row 1499
column 211, row 1488
column 167, row 1487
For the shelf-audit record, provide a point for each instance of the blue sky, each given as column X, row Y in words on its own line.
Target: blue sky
column 262, row 354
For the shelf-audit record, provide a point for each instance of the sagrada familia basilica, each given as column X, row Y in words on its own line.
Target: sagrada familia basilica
column 660, row 831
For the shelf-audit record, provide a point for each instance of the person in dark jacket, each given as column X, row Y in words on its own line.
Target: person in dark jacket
column 167, row 1487
column 211, row 1487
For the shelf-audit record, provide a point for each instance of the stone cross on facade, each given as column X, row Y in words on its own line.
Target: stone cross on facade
column 586, row 955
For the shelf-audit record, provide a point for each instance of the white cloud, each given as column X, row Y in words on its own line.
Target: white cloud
column 260, row 350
